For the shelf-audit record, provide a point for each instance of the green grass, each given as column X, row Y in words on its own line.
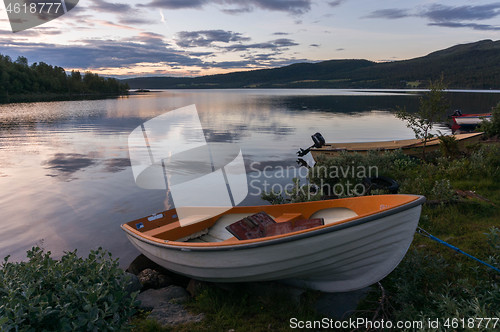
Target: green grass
column 241, row 309
column 143, row 324
column 434, row 281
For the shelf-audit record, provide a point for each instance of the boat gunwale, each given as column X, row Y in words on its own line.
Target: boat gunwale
column 481, row 115
column 267, row 241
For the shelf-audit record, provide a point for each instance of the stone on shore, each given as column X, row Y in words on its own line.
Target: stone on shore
column 174, row 314
column 150, row 278
column 156, row 298
column 194, row 287
column 133, row 284
column 141, row 263
column 166, row 306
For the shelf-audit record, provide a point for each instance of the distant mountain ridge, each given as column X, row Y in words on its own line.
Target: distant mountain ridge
column 466, row 66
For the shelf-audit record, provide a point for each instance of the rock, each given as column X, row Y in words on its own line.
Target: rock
column 156, row 298
column 164, row 280
column 140, row 263
column 150, row 278
column 194, row 287
column 174, row 314
column 133, row 284
column 166, row 305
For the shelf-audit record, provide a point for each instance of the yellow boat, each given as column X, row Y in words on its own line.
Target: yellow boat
column 412, row 147
column 359, row 242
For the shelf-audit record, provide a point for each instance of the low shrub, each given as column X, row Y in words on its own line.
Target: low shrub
column 298, row 193
column 433, row 179
column 448, row 146
column 492, row 128
column 70, row 294
column 346, row 171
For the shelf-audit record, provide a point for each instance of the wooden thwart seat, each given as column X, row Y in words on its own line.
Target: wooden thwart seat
column 155, row 231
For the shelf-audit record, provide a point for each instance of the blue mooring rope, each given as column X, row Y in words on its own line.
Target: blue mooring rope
column 432, row 237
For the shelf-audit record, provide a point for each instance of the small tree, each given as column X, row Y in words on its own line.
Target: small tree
column 433, row 106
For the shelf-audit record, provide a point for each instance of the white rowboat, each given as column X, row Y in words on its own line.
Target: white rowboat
column 362, row 240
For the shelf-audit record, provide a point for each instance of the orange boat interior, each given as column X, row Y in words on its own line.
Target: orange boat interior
column 165, row 226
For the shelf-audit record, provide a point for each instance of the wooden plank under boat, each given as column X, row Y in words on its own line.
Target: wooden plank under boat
column 362, row 240
column 411, row 147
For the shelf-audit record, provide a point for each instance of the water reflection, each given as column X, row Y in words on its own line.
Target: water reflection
column 232, row 135
column 68, row 163
column 115, row 165
column 65, row 165
column 351, row 104
column 91, row 188
column 473, row 103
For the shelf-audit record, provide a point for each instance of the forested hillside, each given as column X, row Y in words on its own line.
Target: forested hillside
column 468, row 66
column 40, row 81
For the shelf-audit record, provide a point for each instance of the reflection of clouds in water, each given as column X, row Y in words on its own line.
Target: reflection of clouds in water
column 219, row 127
column 67, row 164
column 276, row 129
column 231, row 135
column 244, row 121
column 115, row 165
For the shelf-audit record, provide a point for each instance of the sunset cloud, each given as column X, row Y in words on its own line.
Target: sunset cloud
column 207, row 37
column 236, row 6
column 446, row 16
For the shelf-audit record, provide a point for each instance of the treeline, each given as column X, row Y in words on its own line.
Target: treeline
column 40, row 81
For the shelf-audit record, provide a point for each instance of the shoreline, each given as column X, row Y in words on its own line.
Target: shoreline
column 35, row 98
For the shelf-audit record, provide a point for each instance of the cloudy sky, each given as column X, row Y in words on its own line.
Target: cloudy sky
column 199, row 37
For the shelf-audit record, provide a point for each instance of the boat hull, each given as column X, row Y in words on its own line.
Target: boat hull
column 470, row 120
column 339, row 258
column 411, row 147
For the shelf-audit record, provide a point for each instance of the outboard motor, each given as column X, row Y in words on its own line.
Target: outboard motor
column 318, row 141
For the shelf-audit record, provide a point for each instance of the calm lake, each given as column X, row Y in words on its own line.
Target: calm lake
column 65, row 175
